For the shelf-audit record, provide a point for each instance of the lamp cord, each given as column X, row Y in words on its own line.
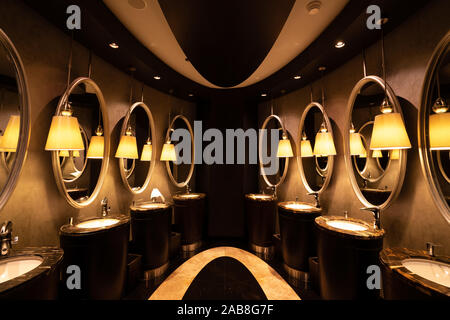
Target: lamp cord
column 69, row 65
column 364, row 63
column 383, row 62
column 90, row 64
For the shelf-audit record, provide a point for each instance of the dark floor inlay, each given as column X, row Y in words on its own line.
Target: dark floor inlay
column 224, row 278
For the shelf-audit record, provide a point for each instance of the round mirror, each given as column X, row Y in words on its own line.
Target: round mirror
column 376, row 175
column 315, row 169
column 180, row 134
column 272, row 167
column 136, row 170
column 15, row 117
column 434, row 126
column 80, row 174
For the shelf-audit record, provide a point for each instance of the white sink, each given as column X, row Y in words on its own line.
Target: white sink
column 97, row 223
column 152, row 205
column 298, row 206
column 13, row 267
column 346, row 225
column 434, row 271
column 260, row 197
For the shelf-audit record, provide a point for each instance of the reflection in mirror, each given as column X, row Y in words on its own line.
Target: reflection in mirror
column 315, row 161
column 75, row 137
column 179, row 151
column 434, row 127
column 376, row 172
column 138, row 130
column 274, row 144
column 14, row 117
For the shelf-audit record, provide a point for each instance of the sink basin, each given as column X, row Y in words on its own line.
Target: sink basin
column 346, row 225
column 262, row 197
column 149, row 206
column 11, row 268
column 97, row 223
column 188, row 196
column 298, row 206
column 434, row 271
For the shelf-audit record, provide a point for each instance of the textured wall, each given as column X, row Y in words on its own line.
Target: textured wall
column 413, row 218
column 36, row 207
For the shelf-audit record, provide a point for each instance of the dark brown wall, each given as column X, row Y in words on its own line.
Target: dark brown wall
column 36, row 207
column 413, row 219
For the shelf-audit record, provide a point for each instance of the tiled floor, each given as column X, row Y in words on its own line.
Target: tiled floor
column 229, row 272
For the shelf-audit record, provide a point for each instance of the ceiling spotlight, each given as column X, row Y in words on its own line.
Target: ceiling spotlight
column 114, row 45
column 190, row 94
column 263, row 94
column 340, row 44
column 297, row 77
column 157, row 77
column 313, row 7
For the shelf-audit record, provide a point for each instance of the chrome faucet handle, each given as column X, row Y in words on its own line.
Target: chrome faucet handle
column 376, row 215
column 5, row 236
column 430, row 248
column 316, row 197
column 105, row 207
column 346, row 214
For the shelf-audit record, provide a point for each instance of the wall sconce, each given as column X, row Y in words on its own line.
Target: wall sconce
column 97, row 145
column 64, row 133
column 305, row 147
column 147, row 151
column 356, row 145
column 389, row 131
column 168, row 152
column 377, row 154
column 284, row 148
column 324, row 145
column 9, row 140
column 127, row 146
column 394, row 154
column 439, row 126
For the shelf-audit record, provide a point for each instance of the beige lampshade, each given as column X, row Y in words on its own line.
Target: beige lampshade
column 306, row 149
column 377, row 154
column 394, row 154
column 64, row 134
column 76, row 153
column 10, row 138
column 389, row 133
column 364, row 155
column 96, row 147
column 147, row 152
column 439, row 131
column 63, row 153
column 168, row 152
column 356, row 145
column 127, row 148
column 324, row 145
column 284, row 149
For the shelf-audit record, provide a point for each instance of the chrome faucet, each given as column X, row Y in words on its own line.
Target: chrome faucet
column 188, row 189
column 274, row 191
column 106, row 209
column 430, row 248
column 6, row 238
column 376, row 215
column 316, row 197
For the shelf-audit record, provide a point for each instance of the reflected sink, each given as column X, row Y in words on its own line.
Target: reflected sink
column 11, row 268
column 346, row 225
column 434, row 271
column 97, row 223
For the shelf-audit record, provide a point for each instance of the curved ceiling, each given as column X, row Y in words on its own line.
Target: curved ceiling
column 248, row 40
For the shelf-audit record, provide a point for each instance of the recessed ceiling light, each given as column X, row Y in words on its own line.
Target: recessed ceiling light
column 297, row 77
column 340, row 44
column 190, row 94
column 313, row 7
column 157, row 77
column 263, row 94
column 114, row 45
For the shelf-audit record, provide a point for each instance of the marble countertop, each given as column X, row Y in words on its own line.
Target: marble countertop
column 69, row 229
column 52, row 257
column 370, row 233
column 393, row 257
column 259, row 197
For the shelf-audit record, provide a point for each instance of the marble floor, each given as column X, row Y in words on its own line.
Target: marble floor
column 223, row 271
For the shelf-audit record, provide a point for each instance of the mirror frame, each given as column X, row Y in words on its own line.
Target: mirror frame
column 423, row 127
column 55, row 158
column 25, row 119
column 348, row 160
column 330, row 162
column 191, row 169
column 151, row 124
column 261, row 168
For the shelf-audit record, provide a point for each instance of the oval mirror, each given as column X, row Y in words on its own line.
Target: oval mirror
column 136, row 170
column 315, row 169
column 88, row 165
column 434, row 127
column 376, row 175
column 15, row 117
column 181, row 135
column 273, row 168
